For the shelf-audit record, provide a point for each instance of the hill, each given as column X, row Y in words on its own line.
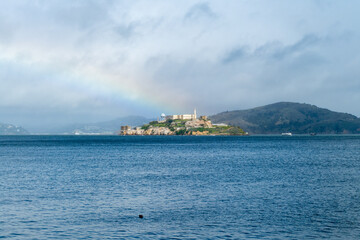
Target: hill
column 9, row 129
column 290, row 117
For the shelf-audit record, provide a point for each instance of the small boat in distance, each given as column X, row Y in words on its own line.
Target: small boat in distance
column 286, row 134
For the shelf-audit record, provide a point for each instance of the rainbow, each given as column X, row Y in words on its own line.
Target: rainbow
column 96, row 83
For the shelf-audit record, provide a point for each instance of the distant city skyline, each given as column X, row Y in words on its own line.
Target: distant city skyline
column 88, row 61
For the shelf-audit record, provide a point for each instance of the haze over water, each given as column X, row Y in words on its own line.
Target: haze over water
column 78, row 187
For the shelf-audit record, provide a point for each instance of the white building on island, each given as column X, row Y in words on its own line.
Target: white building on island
column 182, row 117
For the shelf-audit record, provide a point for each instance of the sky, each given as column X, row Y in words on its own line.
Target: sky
column 73, row 61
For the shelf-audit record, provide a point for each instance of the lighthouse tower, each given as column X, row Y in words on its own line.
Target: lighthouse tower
column 194, row 113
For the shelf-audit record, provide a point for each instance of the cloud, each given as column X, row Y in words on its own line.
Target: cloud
column 274, row 50
column 234, row 55
column 105, row 59
column 272, row 72
column 126, row 31
column 199, row 10
column 78, row 13
column 302, row 45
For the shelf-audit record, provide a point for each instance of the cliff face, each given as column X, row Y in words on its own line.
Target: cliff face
column 8, row 129
column 290, row 117
column 149, row 131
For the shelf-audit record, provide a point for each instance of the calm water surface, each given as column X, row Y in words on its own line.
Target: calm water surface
column 77, row 187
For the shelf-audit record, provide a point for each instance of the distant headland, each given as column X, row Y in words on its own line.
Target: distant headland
column 9, row 129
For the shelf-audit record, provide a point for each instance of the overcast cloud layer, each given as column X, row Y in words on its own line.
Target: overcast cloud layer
column 83, row 61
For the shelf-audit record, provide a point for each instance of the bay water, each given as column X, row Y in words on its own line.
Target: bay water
column 186, row 187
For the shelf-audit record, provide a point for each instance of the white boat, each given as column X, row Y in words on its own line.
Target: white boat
column 286, row 134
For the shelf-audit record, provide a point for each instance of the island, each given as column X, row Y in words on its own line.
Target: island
column 185, row 124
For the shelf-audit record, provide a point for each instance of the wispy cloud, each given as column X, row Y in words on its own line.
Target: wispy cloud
column 234, row 55
column 200, row 10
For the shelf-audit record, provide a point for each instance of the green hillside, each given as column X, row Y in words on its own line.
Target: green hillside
column 290, row 117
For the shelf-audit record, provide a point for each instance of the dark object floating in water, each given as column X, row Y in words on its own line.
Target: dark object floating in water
column 141, row 216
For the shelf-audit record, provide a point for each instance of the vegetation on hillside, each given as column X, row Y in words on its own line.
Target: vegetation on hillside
column 179, row 128
column 290, row 117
